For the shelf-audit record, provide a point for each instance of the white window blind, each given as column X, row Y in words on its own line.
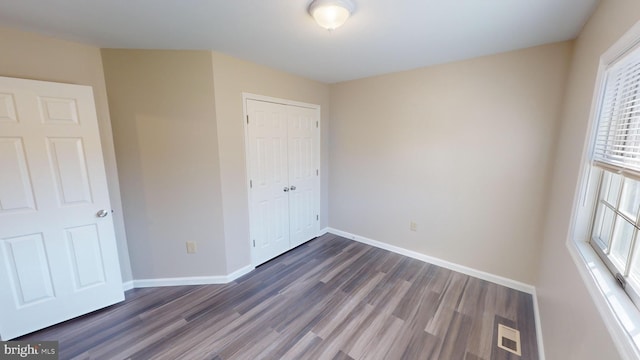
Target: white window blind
column 617, row 142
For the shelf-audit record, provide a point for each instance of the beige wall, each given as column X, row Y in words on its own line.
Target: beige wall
column 571, row 325
column 462, row 149
column 31, row 56
column 164, row 128
column 232, row 77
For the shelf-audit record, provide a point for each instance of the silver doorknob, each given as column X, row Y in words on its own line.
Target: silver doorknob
column 286, row 189
column 102, row 213
column 293, row 187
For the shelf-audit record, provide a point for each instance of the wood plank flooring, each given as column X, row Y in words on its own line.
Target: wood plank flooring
column 331, row 298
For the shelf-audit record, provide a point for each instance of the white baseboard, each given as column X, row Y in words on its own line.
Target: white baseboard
column 517, row 285
column 239, row 273
column 127, row 285
column 192, row 280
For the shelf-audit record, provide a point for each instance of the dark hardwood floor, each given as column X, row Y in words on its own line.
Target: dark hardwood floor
column 331, row 298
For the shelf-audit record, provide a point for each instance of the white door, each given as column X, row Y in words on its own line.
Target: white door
column 58, row 256
column 303, row 174
column 283, row 159
column 269, row 182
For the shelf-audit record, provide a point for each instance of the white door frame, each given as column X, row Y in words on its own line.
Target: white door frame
column 249, row 96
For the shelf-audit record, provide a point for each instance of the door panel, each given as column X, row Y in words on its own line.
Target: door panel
column 83, row 243
column 66, row 157
column 58, row 259
column 303, row 175
column 7, row 109
column 27, row 262
column 268, row 172
column 15, row 183
column 58, row 110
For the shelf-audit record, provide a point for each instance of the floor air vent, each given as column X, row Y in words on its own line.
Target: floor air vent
column 509, row 339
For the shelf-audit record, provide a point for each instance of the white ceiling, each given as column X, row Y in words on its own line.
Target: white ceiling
column 382, row 36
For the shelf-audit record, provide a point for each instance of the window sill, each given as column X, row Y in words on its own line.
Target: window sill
column 621, row 317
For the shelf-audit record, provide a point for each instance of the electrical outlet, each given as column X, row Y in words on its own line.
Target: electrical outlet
column 191, row 247
column 413, row 226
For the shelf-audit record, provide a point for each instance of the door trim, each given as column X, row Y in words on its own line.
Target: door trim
column 249, row 96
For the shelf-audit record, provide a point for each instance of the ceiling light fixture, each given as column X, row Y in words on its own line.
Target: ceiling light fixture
column 331, row 14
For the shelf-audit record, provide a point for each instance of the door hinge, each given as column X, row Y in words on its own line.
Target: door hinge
column 247, row 119
column 317, row 217
column 317, row 172
column 250, row 184
column 317, row 125
column 254, row 242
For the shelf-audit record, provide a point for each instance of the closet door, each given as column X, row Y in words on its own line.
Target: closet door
column 269, row 181
column 303, row 174
column 284, row 186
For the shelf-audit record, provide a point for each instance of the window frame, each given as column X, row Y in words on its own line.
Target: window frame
column 621, row 317
column 598, row 245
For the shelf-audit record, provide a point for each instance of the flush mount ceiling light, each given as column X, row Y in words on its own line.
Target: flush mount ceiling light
column 331, row 14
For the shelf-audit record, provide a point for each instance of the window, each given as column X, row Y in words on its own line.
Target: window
column 604, row 239
column 614, row 232
column 616, row 161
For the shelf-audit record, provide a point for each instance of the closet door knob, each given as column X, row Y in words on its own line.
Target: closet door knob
column 293, row 187
column 286, row 189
